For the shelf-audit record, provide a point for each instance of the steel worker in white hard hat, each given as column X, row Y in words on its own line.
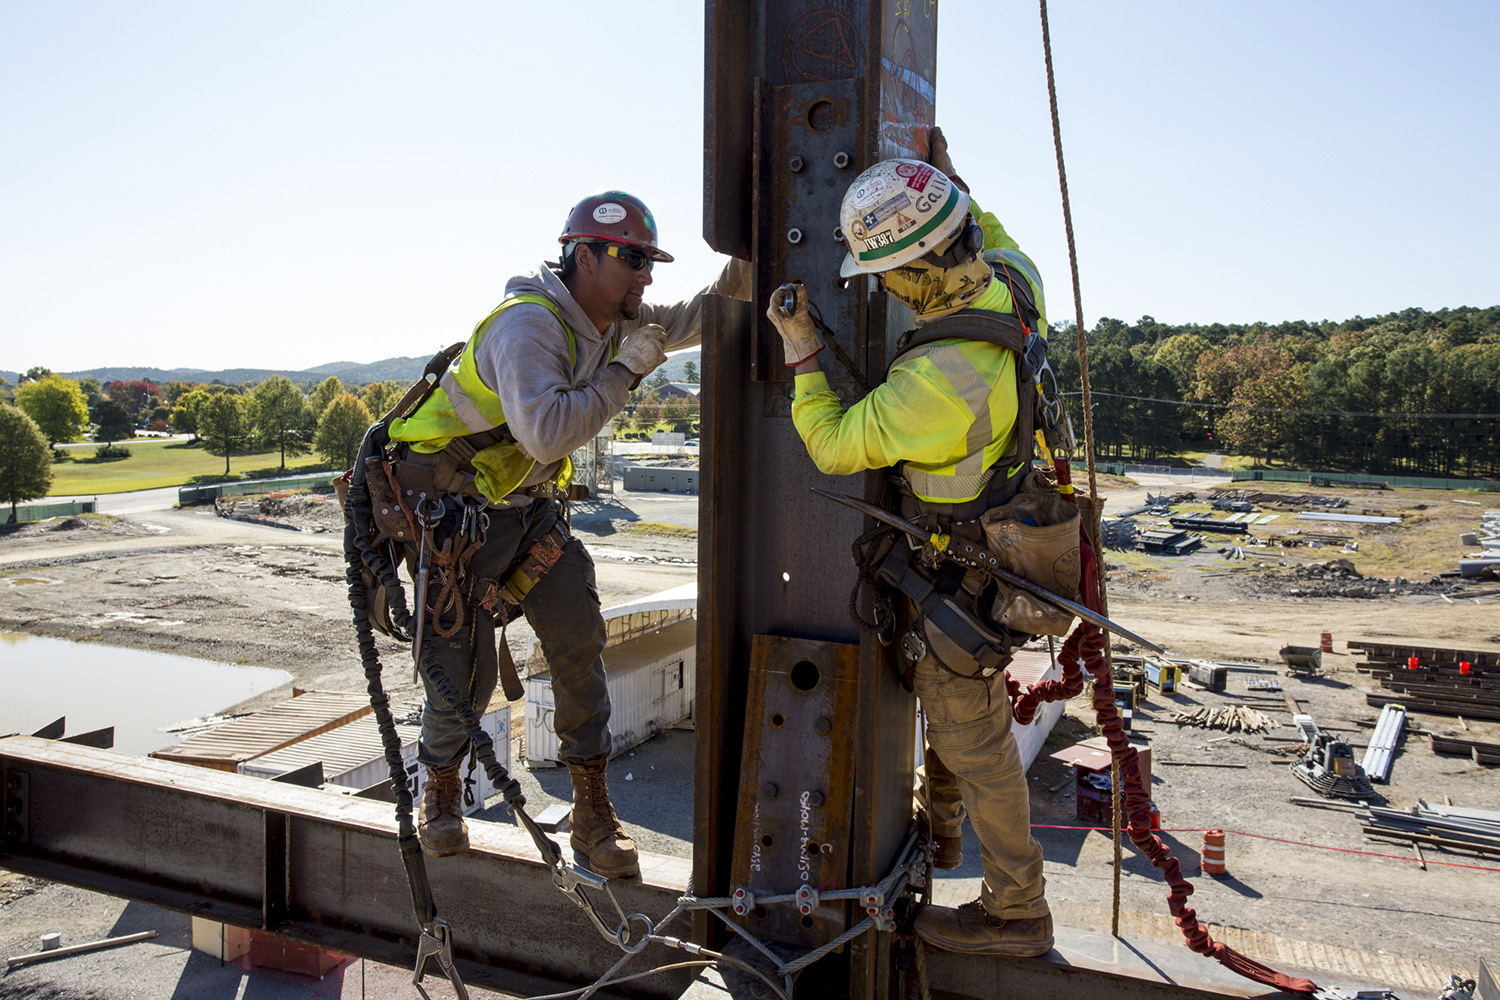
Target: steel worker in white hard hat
column 539, row 378
column 947, row 418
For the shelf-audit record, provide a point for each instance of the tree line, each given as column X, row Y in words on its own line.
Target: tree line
column 1407, row 393
column 46, row 409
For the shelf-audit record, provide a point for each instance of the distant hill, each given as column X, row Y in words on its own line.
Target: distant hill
column 348, row 372
column 676, row 365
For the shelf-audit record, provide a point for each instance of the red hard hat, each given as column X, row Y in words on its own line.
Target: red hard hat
column 614, row 217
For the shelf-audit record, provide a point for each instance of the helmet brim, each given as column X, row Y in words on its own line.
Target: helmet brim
column 850, row 267
column 657, row 254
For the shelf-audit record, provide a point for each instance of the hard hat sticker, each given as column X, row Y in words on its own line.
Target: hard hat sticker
column 885, row 210
column 869, row 192
column 609, row 213
column 917, row 177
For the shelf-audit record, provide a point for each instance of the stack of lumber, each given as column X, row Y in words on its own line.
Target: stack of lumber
column 1233, row 718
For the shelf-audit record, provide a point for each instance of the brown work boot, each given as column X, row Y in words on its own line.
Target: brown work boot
column 440, row 820
column 948, row 852
column 970, row 929
column 597, row 833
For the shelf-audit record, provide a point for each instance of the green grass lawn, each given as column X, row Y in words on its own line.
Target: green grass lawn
column 155, row 464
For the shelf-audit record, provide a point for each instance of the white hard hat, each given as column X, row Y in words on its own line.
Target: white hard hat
column 897, row 211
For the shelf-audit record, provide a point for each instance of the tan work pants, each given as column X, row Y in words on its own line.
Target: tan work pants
column 968, row 730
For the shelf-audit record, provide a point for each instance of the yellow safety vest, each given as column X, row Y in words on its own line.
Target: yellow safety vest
column 462, row 404
column 983, row 377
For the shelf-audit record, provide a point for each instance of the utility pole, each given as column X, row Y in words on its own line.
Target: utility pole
column 805, row 737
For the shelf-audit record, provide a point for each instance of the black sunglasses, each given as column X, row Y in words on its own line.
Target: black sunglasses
column 629, row 256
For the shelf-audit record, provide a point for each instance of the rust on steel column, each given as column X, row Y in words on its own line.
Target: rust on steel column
column 799, row 98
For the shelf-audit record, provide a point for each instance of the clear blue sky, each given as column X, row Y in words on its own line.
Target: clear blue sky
column 284, row 184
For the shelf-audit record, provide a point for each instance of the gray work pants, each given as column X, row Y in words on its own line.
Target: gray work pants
column 563, row 609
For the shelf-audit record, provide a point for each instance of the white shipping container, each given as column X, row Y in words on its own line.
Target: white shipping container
column 651, row 679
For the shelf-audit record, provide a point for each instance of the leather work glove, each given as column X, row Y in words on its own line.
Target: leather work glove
column 937, row 155
column 642, row 350
column 799, row 338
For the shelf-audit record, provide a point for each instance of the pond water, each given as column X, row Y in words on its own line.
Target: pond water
column 137, row 692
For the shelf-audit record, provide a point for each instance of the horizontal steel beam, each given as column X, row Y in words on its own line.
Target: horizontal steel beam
column 310, row 866
column 321, row 868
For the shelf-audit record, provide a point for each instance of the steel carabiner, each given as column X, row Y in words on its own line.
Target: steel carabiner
column 573, row 880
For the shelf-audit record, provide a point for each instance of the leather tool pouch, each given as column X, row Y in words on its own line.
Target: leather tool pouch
column 397, row 486
column 1034, row 535
column 539, row 560
column 389, row 508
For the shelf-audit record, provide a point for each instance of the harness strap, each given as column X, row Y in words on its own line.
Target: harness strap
column 422, row 387
column 1016, row 332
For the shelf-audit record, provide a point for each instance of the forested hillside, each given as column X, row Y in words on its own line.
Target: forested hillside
column 1413, row 392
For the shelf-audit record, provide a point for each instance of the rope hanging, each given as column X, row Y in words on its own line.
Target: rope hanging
column 1088, row 648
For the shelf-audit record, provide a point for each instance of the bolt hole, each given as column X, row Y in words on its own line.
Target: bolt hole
column 822, row 116
column 842, row 284
column 805, row 675
column 767, row 840
column 760, row 912
column 807, row 921
column 778, row 720
column 813, row 849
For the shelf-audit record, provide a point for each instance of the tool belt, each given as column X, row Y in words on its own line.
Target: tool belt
column 399, row 483
column 947, row 622
column 965, row 616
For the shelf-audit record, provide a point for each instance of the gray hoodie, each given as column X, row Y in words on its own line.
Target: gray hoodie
column 554, row 406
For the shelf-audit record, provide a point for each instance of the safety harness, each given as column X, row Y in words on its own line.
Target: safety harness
column 392, row 507
column 951, row 623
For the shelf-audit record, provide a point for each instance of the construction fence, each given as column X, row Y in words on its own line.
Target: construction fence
column 43, row 511
column 188, row 495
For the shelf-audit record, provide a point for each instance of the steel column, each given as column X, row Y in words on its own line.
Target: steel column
column 800, row 96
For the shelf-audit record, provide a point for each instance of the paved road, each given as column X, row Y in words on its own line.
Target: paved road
column 135, row 502
column 173, row 527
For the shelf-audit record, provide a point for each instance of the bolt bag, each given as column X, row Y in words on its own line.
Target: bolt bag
column 1034, row 535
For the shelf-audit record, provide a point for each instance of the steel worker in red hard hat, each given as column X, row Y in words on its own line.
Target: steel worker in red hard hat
column 539, row 378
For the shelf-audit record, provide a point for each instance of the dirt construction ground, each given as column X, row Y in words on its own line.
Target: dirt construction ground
column 241, row 591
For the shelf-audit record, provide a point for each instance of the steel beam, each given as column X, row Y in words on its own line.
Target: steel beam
column 323, row 869
column 309, row 865
column 800, row 96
